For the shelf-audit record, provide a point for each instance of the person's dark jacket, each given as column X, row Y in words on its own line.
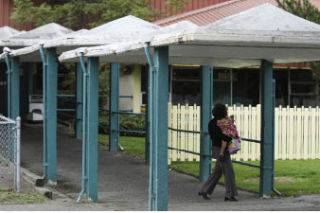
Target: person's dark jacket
column 216, row 134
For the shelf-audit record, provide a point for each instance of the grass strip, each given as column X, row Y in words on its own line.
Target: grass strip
column 292, row 177
column 9, row 197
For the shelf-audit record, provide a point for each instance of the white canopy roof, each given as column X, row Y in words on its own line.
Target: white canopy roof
column 37, row 35
column 121, row 29
column 31, row 53
column 6, row 32
column 179, row 26
column 138, row 41
column 267, row 33
column 131, row 27
column 265, row 17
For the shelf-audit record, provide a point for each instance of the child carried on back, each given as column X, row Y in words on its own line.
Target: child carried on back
column 228, row 128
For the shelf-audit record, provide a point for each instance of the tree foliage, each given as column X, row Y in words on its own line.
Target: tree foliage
column 77, row 14
column 301, row 8
column 176, row 5
column 304, row 9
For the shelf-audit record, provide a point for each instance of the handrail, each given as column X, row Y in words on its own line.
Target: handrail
column 198, row 132
column 196, row 153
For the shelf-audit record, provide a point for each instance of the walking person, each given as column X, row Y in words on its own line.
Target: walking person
column 223, row 160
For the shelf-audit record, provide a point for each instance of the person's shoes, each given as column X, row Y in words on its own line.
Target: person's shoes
column 204, row 195
column 230, row 199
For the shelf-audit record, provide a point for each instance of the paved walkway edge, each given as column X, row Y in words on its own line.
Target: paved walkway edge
column 47, row 190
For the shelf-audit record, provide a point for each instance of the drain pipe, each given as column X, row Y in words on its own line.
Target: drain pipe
column 150, row 85
column 273, row 187
column 84, row 128
column 276, row 191
column 44, row 101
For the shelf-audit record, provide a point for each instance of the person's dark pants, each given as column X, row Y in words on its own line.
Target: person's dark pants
column 222, row 167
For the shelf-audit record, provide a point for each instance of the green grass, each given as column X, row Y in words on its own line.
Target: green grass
column 292, row 177
column 10, row 197
column 132, row 145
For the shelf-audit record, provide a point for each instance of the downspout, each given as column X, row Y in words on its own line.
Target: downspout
column 44, row 101
column 84, row 128
column 151, row 69
column 275, row 190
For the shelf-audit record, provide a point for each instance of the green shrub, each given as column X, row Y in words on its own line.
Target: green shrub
column 127, row 122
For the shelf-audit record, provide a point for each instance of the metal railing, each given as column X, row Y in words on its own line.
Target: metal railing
column 196, row 153
column 10, row 134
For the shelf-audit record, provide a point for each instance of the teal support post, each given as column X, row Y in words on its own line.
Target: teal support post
column 44, row 120
column 79, row 97
column 206, row 108
column 9, row 87
column 149, row 134
column 114, row 108
column 15, row 88
column 159, row 147
column 273, row 133
column 84, row 182
column 51, row 90
column 92, row 133
column 148, row 115
column 267, row 129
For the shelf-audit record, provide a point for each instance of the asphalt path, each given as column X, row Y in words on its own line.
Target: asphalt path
column 123, row 183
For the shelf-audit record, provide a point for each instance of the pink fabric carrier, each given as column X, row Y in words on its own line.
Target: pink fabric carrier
column 228, row 128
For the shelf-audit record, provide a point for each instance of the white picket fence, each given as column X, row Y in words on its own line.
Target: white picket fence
column 297, row 132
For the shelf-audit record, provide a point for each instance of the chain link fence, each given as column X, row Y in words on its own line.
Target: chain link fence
column 10, row 153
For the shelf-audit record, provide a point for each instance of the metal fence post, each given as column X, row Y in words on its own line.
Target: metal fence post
column 18, row 142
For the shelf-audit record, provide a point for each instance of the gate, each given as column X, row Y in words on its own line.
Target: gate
column 10, row 153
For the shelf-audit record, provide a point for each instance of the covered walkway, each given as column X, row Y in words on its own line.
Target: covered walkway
column 126, row 181
column 123, row 179
column 123, row 182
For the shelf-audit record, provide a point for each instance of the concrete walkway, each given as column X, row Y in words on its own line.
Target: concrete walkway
column 123, row 183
